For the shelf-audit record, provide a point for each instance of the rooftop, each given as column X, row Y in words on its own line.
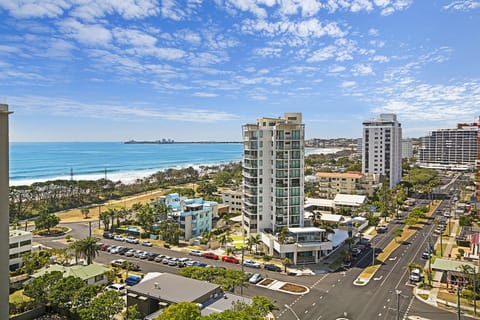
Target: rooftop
column 305, row 230
column 172, row 288
column 80, row 271
column 349, row 199
column 339, row 174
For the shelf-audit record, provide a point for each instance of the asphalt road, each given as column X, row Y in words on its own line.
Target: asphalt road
column 332, row 296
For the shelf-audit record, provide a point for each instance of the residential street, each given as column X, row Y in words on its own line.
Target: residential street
column 332, row 295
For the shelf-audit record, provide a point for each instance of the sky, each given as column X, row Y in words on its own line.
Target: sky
column 110, row 70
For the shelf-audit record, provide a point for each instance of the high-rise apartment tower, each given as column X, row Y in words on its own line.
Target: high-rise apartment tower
column 273, row 173
column 382, row 147
column 4, row 214
column 450, row 147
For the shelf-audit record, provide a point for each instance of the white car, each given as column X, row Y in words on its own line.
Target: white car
column 132, row 240
column 118, row 238
column 255, row 278
column 120, row 288
column 196, row 253
column 251, row 264
column 146, row 243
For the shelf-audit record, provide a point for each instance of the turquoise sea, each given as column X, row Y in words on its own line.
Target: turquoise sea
column 33, row 162
column 41, row 161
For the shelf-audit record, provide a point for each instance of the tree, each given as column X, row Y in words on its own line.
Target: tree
column 132, row 313
column 83, row 297
column 180, row 311
column 87, row 248
column 170, row 231
column 46, row 221
column 105, row 217
column 104, row 306
column 283, row 235
column 34, row 260
column 397, row 232
column 39, row 288
column 286, row 262
column 85, row 212
column 63, row 290
column 206, row 188
column 224, row 238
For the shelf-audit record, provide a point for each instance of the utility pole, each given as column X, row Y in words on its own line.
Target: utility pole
column 458, row 300
column 90, row 229
column 398, row 303
column 243, row 274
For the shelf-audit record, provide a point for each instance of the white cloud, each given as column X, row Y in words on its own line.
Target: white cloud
column 57, row 106
column 205, row 95
column 373, row 32
column 134, row 38
column 323, row 54
column 93, row 34
column 462, row 5
column 311, row 28
column 336, row 69
column 380, row 59
column 348, row 84
column 362, row 70
column 267, row 52
column 35, row 8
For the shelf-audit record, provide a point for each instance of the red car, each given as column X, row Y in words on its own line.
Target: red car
column 210, row 255
column 230, row 259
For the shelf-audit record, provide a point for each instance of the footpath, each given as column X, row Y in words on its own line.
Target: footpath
column 432, row 296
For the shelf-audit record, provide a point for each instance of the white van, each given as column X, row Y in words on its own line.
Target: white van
column 415, row 275
column 120, row 288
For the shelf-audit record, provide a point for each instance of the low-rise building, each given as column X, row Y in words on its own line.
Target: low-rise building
column 91, row 274
column 158, row 292
column 20, row 244
column 332, row 183
column 232, row 198
column 302, row 246
column 194, row 216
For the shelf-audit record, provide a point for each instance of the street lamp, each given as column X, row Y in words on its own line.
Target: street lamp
column 290, row 308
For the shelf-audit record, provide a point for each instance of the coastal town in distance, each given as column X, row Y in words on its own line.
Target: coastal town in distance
column 387, row 223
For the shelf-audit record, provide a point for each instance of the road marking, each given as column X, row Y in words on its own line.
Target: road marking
column 321, row 297
column 378, row 278
column 392, row 259
column 313, row 304
column 379, row 314
column 306, row 311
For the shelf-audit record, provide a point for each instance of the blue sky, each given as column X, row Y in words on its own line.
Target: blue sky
column 109, row 70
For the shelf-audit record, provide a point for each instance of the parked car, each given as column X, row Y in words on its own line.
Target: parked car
column 273, row 267
column 425, row 255
column 118, row 262
column 132, row 240
column 146, row 243
column 105, row 247
column 132, row 280
column 230, row 259
column 173, row 262
column 255, row 278
column 210, row 255
column 118, row 238
column 251, row 264
column 196, row 253
column 143, row 255
column 129, row 253
column 356, row 252
column 159, row 258
column 151, row 256
column 200, row 264
column 116, row 249
column 120, row 288
column 165, row 260
column 109, row 249
column 108, row 235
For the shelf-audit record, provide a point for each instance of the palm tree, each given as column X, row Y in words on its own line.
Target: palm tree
column 283, row 235
column 224, row 238
column 286, row 262
column 88, row 248
column 75, row 247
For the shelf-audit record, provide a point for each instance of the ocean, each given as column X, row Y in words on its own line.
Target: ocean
column 41, row 161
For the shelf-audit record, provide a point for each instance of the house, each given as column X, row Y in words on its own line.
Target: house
column 155, row 293
column 20, row 244
column 90, row 274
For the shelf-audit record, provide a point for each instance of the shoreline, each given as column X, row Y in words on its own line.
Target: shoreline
column 130, row 176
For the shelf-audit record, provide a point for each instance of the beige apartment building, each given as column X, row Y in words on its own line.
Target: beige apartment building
column 332, row 183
